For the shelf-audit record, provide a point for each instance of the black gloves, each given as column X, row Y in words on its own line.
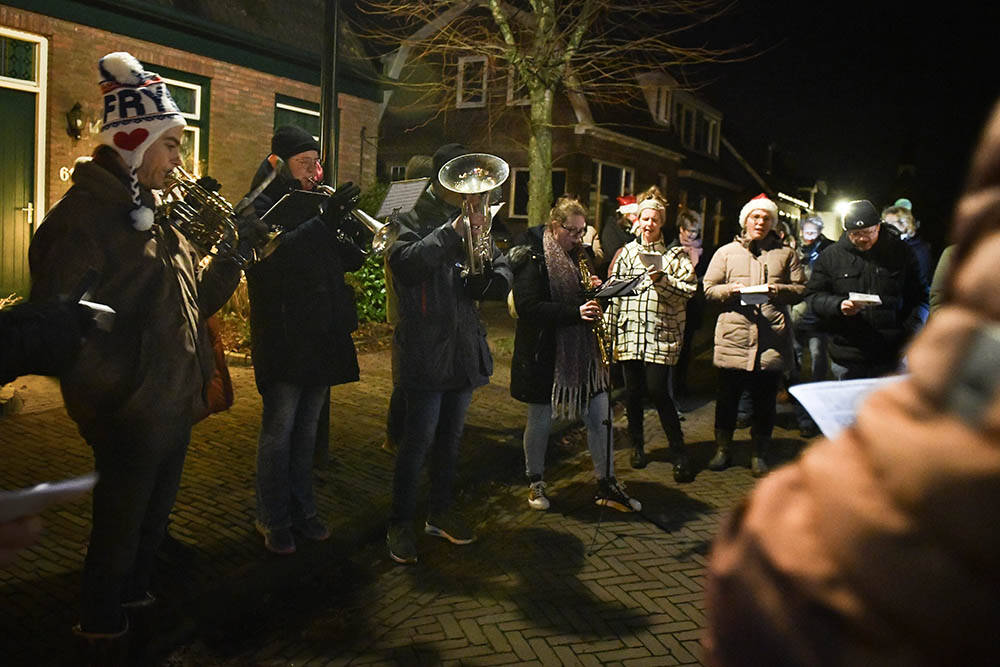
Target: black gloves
column 253, row 233
column 340, row 204
column 209, row 183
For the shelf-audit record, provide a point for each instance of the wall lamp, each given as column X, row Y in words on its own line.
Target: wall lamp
column 74, row 121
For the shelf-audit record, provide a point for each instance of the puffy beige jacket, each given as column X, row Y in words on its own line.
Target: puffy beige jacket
column 758, row 337
column 880, row 547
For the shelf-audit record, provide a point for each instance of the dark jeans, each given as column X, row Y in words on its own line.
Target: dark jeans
column 433, row 426
column 136, row 489
column 763, row 388
column 644, row 379
column 285, row 453
column 395, row 420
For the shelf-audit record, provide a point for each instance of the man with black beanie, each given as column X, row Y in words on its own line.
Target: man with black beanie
column 301, row 317
column 867, row 292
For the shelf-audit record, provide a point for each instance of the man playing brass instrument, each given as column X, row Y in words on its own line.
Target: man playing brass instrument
column 134, row 390
column 557, row 367
column 301, row 317
column 439, row 355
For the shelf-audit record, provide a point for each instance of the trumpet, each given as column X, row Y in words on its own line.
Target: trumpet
column 474, row 175
column 204, row 217
column 383, row 233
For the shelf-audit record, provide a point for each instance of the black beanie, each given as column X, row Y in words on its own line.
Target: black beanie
column 860, row 214
column 446, row 153
column 289, row 140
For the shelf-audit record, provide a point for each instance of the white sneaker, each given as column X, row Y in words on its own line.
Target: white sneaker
column 536, row 496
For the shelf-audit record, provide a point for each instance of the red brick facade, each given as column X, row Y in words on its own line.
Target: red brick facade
column 241, row 104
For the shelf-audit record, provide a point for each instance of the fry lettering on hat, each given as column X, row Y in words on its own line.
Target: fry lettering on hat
column 129, row 141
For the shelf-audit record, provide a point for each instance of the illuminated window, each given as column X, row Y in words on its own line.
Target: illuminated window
column 191, row 93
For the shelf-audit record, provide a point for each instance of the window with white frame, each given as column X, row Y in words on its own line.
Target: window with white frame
column 609, row 181
column 471, row 88
column 191, row 94
column 662, row 105
column 697, row 127
column 519, row 190
column 397, row 172
column 300, row 113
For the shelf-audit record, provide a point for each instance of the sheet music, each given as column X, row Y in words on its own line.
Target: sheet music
column 834, row 405
column 402, row 195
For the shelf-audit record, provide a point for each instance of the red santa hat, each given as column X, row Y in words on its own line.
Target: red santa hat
column 761, row 202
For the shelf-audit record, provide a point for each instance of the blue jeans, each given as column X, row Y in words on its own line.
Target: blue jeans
column 536, row 437
column 285, row 453
column 138, row 479
column 433, row 425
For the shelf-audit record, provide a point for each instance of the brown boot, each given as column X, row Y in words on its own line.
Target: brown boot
column 758, row 466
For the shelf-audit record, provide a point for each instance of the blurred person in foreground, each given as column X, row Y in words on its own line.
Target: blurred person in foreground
column 752, row 339
column 876, row 547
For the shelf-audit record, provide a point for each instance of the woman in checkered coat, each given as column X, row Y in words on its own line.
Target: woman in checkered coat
column 648, row 328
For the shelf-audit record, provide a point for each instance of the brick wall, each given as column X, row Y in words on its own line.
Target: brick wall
column 241, row 105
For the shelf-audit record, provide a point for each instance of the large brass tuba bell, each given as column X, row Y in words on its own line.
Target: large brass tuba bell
column 473, row 176
column 204, row 217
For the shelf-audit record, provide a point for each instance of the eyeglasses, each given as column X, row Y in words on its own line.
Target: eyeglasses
column 863, row 233
column 305, row 162
column 575, row 232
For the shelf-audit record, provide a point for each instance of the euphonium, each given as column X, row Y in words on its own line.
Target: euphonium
column 473, row 176
column 598, row 325
column 204, row 217
column 383, row 233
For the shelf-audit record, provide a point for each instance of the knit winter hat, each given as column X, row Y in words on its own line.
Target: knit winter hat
column 653, row 203
column 289, row 140
column 447, row 153
column 759, row 202
column 860, row 213
column 137, row 110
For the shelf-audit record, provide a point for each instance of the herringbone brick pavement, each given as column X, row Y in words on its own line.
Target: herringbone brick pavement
column 574, row 585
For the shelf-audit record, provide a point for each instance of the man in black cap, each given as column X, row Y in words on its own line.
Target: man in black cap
column 439, row 355
column 301, row 317
column 867, row 292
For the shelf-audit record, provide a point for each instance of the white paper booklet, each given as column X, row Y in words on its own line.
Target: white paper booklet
column 863, row 299
column 754, row 294
column 834, row 405
column 654, row 261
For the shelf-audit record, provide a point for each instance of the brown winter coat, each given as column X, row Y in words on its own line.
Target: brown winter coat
column 758, row 337
column 880, row 547
column 157, row 360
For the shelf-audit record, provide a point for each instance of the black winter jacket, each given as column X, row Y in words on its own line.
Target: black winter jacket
column 876, row 336
column 538, row 319
column 440, row 341
column 302, row 312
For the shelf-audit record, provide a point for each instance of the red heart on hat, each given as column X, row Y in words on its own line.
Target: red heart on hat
column 129, row 141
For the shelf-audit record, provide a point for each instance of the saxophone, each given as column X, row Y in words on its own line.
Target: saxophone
column 598, row 325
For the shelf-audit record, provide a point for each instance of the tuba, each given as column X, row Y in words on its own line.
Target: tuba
column 204, row 217
column 474, row 176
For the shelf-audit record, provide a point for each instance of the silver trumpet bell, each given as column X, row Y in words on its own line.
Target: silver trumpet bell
column 473, row 176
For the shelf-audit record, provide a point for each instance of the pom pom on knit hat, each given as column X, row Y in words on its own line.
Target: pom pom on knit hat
column 137, row 110
column 761, row 202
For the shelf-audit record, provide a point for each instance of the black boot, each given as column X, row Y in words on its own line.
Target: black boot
column 723, row 456
column 758, row 466
column 683, row 471
column 98, row 649
column 638, row 459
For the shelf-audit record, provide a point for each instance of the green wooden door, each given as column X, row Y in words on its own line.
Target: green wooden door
column 17, row 187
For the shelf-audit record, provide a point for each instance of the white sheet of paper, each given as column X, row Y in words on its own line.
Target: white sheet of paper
column 754, row 294
column 30, row 501
column 834, row 405
column 652, row 260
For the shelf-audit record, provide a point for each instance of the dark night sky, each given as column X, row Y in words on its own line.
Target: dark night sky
column 848, row 89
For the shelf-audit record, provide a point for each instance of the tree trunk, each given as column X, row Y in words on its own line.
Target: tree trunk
column 540, row 157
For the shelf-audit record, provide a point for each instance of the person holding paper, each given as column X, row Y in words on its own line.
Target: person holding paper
column 755, row 278
column 133, row 390
column 867, row 291
column 649, row 328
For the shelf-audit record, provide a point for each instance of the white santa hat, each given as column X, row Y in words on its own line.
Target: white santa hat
column 761, row 202
column 137, row 110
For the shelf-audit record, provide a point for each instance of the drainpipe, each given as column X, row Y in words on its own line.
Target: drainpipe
column 328, row 111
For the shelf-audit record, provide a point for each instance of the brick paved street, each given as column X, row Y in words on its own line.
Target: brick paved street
column 573, row 585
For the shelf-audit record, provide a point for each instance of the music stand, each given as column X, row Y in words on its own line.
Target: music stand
column 402, row 196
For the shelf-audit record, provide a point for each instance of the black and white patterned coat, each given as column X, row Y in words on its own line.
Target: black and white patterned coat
column 650, row 325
